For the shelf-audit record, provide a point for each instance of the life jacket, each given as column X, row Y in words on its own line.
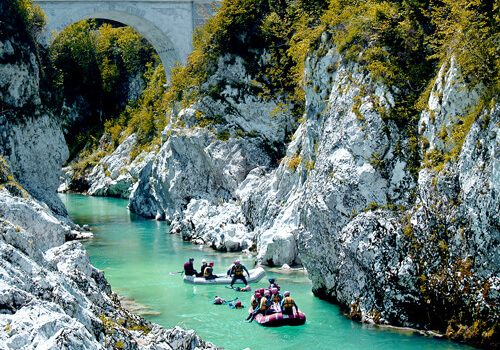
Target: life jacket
column 254, row 302
column 238, row 270
column 277, row 298
column 208, row 271
column 288, row 303
column 265, row 303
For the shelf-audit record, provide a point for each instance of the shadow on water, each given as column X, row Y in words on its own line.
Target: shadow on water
column 140, row 260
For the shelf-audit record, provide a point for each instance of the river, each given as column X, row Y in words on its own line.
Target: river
column 140, row 260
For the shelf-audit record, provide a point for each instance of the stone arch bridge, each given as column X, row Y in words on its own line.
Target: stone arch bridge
column 167, row 24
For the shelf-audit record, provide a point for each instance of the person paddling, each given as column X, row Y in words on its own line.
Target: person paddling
column 236, row 272
column 265, row 303
column 189, row 268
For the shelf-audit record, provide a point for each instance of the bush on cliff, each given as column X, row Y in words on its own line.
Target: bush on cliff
column 104, row 59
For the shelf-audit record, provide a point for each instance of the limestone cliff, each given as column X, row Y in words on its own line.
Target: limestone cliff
column 413, row 253
column 392, row 211
column 376, row 236
column 197, row 169
column 50, row 295
column 31, row 137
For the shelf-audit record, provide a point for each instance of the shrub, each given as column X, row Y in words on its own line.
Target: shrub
column 294, row 162
column 32, row 15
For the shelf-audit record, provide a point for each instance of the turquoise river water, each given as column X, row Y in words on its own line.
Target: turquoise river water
column 139, row 257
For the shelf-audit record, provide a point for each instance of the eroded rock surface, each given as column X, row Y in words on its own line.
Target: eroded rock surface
column 52, row 297
column 382, row 231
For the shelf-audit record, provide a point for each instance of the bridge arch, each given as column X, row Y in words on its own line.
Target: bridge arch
column 160, row 42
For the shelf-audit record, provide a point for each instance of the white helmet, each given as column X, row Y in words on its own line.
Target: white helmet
column 204, row 261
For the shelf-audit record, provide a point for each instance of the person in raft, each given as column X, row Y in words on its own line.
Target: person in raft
column 254, row 303
column 276, row 299
column 202, row 268
column 273, row 284
column 287, row 304
column 208, row 273
column 189, row 268
column 236, row 272
column 265, row 304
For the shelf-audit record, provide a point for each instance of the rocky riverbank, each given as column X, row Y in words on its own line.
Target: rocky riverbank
column 51, row 297
column 388, row 200
column 346, row 187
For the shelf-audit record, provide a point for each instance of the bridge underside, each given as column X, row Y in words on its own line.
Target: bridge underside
column 168, row 25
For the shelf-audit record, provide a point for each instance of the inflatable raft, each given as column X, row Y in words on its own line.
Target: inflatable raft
column 255, row 276
column 279, row 319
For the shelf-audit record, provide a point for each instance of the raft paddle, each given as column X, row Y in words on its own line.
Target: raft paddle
column 175, row 273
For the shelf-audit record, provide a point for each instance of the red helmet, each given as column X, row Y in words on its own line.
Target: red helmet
column 238, row 303
column 257, row 294
column 261, row 291
column 274, row 290
column 211, row 263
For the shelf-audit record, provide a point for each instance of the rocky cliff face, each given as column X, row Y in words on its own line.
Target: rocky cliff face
column 418, row 252
column 391, row 238
column 50, row 295
column 198, row 177
column 34, row 148
column 31, row 139
column 116, row 174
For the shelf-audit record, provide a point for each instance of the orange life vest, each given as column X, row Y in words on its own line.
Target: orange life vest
column 288, row 303
column 208, row 271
